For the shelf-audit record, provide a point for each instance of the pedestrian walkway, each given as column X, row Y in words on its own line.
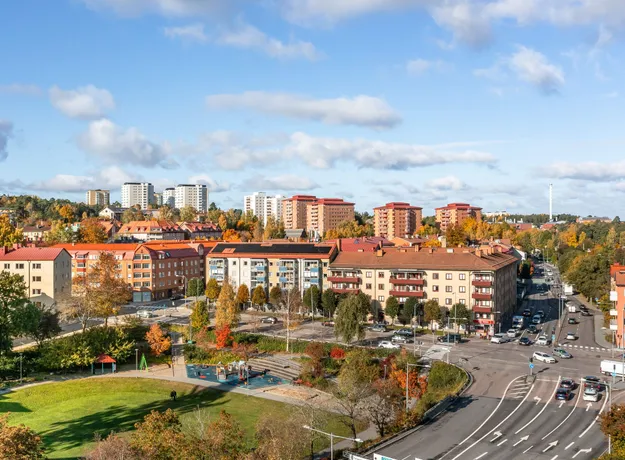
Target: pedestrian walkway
column 598, row 318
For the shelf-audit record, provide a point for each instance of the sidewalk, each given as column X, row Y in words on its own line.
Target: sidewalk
column 598, row 319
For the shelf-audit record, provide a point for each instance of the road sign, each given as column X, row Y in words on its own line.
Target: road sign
column 553, row 337
column 531, row 365
column 613, row 374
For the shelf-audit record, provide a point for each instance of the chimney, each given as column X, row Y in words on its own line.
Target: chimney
column 379, row 253
column 338, row 244
column 3, row 250
column 478, row 252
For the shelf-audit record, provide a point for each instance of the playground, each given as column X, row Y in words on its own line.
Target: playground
column 236, row 374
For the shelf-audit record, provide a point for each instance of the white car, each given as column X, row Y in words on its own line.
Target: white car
column 544, row 357
column 512, row 333
column 388, row 344
column 571, row 336
column 145, row 314
column 536, row 319
column 543, row 340
column 499, row 338
column 591, row 394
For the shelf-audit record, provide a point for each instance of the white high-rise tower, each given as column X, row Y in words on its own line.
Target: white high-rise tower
column 550, row 202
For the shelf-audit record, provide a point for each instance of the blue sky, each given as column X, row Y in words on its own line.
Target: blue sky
column 425, row 101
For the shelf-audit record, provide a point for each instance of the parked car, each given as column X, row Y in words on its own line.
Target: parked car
column 328, row 323
column 583, row 307
column 525, row 341
column 572, row 321
column 591, row 394
column 145, row 314
column 400, row 339
column 544, row 357
column 499, row 338
column 527, row 312
column 562, row 353
column 568, row 384
column 562, row 394
column 405, row 332
column 586, row 313
column 450, row 338
column 388, row 344
column 512, row 333
column 543, row 340
column 378, row 328
column 269, row 320
column 571, row 336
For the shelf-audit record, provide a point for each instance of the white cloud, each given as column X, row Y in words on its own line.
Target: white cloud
column 6, row 132
column 114, row 144
column 361, row 110
column 213, row 185
column 465, row 19
column 590, row 171
column 534, row 68
column 87, row 102
column 446, row 183
column 246, row 36
column 108, row 178
column 21, row 88
column 170, row 8
column 286, row 182
column 192, row 32
column 420, row 66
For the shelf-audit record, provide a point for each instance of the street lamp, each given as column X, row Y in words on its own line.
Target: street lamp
column 21, row 359
column 332, row 436
column 136, row 359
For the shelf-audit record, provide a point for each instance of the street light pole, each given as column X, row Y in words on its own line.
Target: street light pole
column 136, row 359
column 21, row 359
column 332, row 436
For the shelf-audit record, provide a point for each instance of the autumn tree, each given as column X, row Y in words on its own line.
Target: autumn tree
column 275, row 296
column 59, row 233
column 9, row 235
column 106, row 287
column 431, row 312
column 18, row 316
column 159, row 436
column 188, row 214
column 316, row 353
column 273, row 444
column 392, row 307
column 67, row 213
column 347, row 324
column 113, row 447
column 212, row 289
column 231, row 235
column 384, row 405
column 157, row 340
column 200, row 317
column 132, row 214
column 432, row 243
column 455, row 235
column 166, row 213
column 227, row 313
column 224, row 439
column 91, row 231
column 243, row 295
column 612, row 424
column 18, row 442
column 259, row 297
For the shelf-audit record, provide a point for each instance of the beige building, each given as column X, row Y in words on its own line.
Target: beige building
column 484, row 280
column 456, row 213
column 47, row 272
column 396, row 220
column 294, row 212
column 98, row 197
column 326, row 214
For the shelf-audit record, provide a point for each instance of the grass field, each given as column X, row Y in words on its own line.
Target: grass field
column 67, row 415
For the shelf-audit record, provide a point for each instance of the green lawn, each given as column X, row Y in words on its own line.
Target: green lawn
column 68, row 414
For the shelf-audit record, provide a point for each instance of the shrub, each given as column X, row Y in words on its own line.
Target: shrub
column 445, row 379
column 337, row 353
column 195, row 355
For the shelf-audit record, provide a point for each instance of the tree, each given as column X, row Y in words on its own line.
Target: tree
column 227, row 313
column 392, row 307
column 223, row 336
column 200, row 317
column 259, row 232
column 159, row 436
column 47, row 325
column 212, row 289
column 166, row 213
column 243, row 295
column 347, row 324
column 108, row 290
column 9, row 235
column 225, row 439
column 384, row 405
column 19, row 442
column 81, row 305
column 328, row 301
column 231, row 235
column 405, row 315
column 316, row 353
column 91, row 231
column 273, row 444
column 195, row 287
column 188, row 214
column 132, row 214
column 114, row 447
column 259, row 297
column 312, row 298
column 462, row 315
column 59, row 233
column 431, row 312
column 158, row 341
column 612, row 424
column 68, row 213
column 455, row 235
column 275, row 296
column 413, row 307
column 18, row 316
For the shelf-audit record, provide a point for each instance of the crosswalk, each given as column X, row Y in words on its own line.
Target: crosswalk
column 519, row 389
column 584, row 347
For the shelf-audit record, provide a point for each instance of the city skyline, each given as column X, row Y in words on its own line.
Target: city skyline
column 454, row 105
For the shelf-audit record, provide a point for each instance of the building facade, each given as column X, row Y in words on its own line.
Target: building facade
column 137, row 194
column 262, row 206
column 98, row 197
column 294, row 213
column 149, row 230
column 35, row 233
column 201, row 230
column 286, row 265
column 617, row 297
column 169, row 197
column 46, row 272
column 456, row 213
column 158, row 198
column 326, row 214
column 484, row 280
column 396, row 220
column 192, row 195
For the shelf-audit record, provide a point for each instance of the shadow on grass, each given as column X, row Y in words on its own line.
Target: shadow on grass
column 11, row 406
column 119, row 418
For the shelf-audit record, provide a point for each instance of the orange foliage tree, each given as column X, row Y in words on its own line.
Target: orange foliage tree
column 158, row 341
column 231, row 235
column 223, row 336
column 92, row 231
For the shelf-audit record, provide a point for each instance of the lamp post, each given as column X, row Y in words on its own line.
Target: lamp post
column 499, row 318
column 21, row 359
column 332, row 436
column 136, row 359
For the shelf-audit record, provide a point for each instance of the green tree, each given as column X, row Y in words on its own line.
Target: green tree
column 18, row 316
column 312, row 298
column 612, row 424
column 455, row 235
column 589, row 273
column 226, row 313
column 188, row 214
column 329, row 301
column 9, row 235
column 243, row 295
column 59, row 233
column 159, row 436
column 200, row 317
column 432, row 312
column 405, row 315
column 347, row 324
column 47, row 326
column 195, row 287
column 212, row 289
column 462, row 315
column 259, row 297
column 413, row 307
column 275, row 296
column 365, row 305
column 392, row 307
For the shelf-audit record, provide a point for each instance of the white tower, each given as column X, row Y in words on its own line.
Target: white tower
column 550, row 202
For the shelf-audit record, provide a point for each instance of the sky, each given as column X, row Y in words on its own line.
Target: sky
column 373, row 101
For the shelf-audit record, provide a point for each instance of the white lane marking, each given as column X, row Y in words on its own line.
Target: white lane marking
column 554, row 457
column 551, row 445
column 491, row 415
column 537, row 399
column 524, row 438
column 585, row 451
column 502, row 443
column 588, row 406
column 498, row 434
column 569, row 445
column 478, row 458
column 605, row 400
column 542, row 410
column 561, row 404
column 527, row 450
column 579, row 395
column 500, row 423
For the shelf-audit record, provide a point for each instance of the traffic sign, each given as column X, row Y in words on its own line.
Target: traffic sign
column 531, row 365
column 553, row 337
column 613, row 374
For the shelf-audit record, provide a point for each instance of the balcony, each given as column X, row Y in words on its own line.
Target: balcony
column 407, row 281
column 400, row 293
column 344, row 279
column 345, row 290
column 483, row 283
column 482, row 296
column 481, row 309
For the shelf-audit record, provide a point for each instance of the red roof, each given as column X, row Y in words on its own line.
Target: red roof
column 30, row 253
column 104, row 359
column 398, row 205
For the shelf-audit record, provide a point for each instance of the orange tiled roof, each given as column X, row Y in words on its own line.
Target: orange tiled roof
column 31, row 254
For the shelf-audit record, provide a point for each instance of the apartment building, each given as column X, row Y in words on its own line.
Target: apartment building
column 194, row 195
column 158, row 199
column 262, row 206
column 286, row 265
column 326, row 214
column 484, row 280
column 396, row 220
column 617, row 297
column 456, row 213
column 169, row 197
column 149, row 230
column 201, row 230
column 35, row 233
column 294, row 213
column 155, row 270
column 98, row 197
column 112, row 213
column 137, row 194
column 46, row 272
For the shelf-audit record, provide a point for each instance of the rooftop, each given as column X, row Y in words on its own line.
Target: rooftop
column 397, row 205
column 30, row 253
column 273, row 249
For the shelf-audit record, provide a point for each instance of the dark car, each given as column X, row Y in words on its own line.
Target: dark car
column 586, row 313
column 572, row 321
column 527, row 312
column 532, row 329
column 176, row 297
column 583, row 307
column 563, row 394
column 405, row 332
column 269, row 320
column 450, row 338
column 567, row 384
column 591, row 381
column 525, row 341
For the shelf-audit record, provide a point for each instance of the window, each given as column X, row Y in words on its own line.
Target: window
column 136, row 284
column 234, row 262
column 462, row 301
column 146, row 256
column 369, row 274
column 381, row 287
column 449, row 276
column 368, row 286
column 36, row 266
column 435, row 299
column 435, row 288
column 36, row 291
column 36, row 279
column 462, row 276
column 137, row 266
column 381, row 298
column 137, row 257
column 145, row 266
column 20, row 266
column 136, row 275
column 449, row 288
column 146, row 284
column 434, row 276
column 381, row 275
column 463, row 289
column 245, row 263
column 7, row 266
column 448, row 301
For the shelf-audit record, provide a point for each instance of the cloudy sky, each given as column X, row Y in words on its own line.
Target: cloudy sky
column 425, row 101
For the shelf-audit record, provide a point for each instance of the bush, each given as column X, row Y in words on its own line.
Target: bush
column 337, row 353
column 445, row 379
column 195, row 355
